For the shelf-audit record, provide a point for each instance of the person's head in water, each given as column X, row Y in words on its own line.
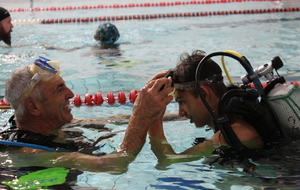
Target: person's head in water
column 5, row 26
column 107, row 33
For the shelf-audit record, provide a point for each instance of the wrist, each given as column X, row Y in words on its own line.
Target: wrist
column 158, row 139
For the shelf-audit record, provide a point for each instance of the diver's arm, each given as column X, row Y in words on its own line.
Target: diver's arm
column 148, row 107
column 115, row 163
column 159, row 144
column 244, row 131
column 166, row 154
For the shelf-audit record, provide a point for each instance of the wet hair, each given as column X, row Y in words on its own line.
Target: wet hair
column 210, row 73
column 3, row 13
column 15, row 86
column 107, row 33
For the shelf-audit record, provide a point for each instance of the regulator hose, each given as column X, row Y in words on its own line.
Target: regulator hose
column 241, row 60
column 221, row 121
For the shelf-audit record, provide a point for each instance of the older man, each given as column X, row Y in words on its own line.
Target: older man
column 5, row 26
column 42, row 106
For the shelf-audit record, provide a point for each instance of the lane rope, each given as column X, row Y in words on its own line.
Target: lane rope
column 154, row 16
column 132, row 5
column 94, row 100
column 121, row 99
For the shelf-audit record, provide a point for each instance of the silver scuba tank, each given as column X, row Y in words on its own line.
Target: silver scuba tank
column 285, row 101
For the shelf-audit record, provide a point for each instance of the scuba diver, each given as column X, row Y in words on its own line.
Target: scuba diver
column 192, row 107
column 41, row 101
column 242, row 124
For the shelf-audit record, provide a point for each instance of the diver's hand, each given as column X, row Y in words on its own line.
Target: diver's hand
column 153, row 99
column 158, row 75
column 149, row 105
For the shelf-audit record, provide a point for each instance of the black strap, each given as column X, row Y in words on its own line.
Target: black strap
column 36, row 138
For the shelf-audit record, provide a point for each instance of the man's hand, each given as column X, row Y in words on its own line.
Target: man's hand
column 153, row 98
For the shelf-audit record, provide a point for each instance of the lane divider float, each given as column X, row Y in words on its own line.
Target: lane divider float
column 97, row 99
column 131, row 5
column 94, row 100
column 154, row 16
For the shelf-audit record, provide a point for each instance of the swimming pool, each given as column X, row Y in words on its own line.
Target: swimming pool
column 148, row 46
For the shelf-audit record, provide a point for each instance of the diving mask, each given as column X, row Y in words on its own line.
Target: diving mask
column 191, row 86
column 41, row 69
column 185, row 86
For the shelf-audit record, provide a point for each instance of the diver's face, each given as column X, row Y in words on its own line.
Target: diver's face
column 192, row 108
column 5, row 30
column 57, row 105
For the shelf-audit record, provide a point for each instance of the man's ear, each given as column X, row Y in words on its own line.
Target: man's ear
column 210, row 97
column 206, row 91
column 32, row 106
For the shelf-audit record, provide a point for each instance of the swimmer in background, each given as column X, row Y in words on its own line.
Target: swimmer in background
column 107, row 34
column 5, row 26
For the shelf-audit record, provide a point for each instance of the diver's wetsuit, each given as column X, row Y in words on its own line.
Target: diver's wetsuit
column 25, row 136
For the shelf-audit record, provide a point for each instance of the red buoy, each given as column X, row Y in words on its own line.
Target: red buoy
column 132, row 95
column 121, row 98
column 295, row 83
column 77, row 101
column 88, row 99
column 110, row 98
column 98, row 99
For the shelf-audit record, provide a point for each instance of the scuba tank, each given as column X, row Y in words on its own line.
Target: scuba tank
column 283, row 98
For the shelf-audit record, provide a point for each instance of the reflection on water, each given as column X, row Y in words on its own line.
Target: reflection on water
column 278, row 169
column 179, row 183
column 129, row 64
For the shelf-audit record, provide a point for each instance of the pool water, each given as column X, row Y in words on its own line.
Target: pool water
column 145, row 48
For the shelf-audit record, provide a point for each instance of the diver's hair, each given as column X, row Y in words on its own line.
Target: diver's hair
column 186, row 69
column 16, row 85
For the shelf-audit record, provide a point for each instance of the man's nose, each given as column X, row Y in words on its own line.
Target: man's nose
column 181, row 112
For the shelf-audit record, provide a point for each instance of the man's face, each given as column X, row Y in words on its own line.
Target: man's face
column 5, row 30
column 57, row 105
column 192, row 108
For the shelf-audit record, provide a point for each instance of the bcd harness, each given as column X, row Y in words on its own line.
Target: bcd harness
column 249, row 103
